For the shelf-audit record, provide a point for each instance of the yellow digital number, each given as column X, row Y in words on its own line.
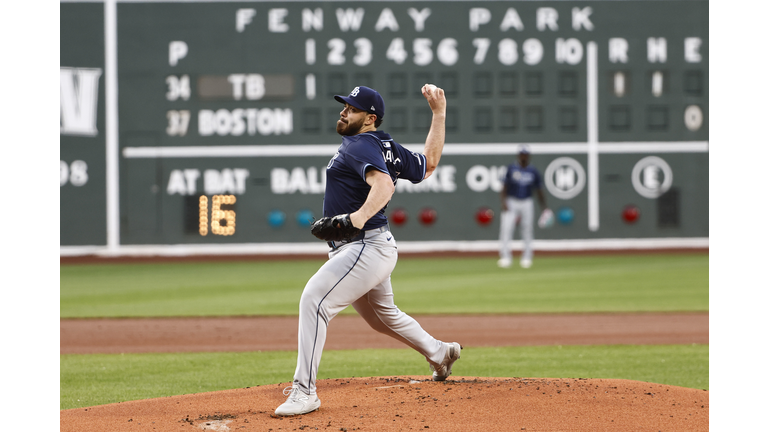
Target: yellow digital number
column 218, row 215
column 203, row 215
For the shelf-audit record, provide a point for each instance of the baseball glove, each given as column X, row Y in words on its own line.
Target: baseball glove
column 334, row 228
column 547, row 218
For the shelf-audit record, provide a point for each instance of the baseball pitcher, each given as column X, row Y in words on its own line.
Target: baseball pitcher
column 360, row 181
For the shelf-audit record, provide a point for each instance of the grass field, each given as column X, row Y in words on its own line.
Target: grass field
column 88, row 380
column 617, row 283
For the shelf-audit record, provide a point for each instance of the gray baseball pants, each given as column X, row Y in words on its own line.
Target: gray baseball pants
column 522, row 208
column 357, row 274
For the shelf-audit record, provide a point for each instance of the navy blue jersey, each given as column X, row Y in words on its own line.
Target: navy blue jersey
column 345, row 186
column 521, row 181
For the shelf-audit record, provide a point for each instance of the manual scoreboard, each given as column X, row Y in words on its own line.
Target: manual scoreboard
column 226, row 118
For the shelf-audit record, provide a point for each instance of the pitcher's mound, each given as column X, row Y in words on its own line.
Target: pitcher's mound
column 417, row 403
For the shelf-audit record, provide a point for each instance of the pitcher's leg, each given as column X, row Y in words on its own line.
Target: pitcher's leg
column 313, row 324
column 378, row 309
column 339, row 282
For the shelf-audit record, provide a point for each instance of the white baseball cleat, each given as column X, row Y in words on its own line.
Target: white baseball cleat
column 504, row 262
column 526, row 263
column 443, row 370
column 298, row 402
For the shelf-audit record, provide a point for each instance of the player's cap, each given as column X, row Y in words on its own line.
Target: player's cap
column 366, row 99
column 524, row 149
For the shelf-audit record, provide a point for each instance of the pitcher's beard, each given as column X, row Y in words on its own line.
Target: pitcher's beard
column 347, row 128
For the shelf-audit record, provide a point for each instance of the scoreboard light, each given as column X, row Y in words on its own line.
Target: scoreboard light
column 484, row 216
column 305, row 218
column 427, row 216
column 630, row 214
column 222, row 221
column 203, row 215
column 399, row 216
column 565, row 215
column 276, row 218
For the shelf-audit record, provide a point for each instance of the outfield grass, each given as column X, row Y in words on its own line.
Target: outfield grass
column 605, row 283
column 88, row 380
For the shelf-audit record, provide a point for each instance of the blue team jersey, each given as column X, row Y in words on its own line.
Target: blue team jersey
column 345, row 186
column 521, row 181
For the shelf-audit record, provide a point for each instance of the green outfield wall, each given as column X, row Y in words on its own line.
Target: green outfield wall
column 211, row 123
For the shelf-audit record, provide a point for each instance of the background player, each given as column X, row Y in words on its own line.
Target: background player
column 520, row 181
column 360, row 181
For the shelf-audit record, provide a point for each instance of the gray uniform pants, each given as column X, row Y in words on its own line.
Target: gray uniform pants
column 524, row 209
column 357, row 273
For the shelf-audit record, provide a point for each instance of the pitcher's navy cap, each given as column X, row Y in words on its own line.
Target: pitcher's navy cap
column 524, row 149
column 365, row 99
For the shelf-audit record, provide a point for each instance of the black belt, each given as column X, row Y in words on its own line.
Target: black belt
column 362, row 235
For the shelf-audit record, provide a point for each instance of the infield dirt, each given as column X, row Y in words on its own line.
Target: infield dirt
column 415, row 403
